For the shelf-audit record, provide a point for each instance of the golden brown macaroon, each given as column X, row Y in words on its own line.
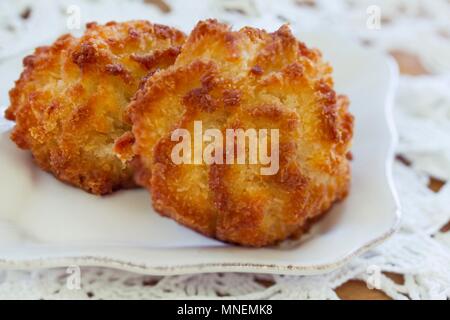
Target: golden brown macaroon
column 244, row 79
column 69, row 101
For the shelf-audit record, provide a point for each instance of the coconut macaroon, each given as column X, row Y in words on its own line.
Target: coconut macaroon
column 69, row 101
column 251, row 80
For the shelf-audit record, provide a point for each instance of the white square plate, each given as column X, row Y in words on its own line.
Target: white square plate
column 44, row 223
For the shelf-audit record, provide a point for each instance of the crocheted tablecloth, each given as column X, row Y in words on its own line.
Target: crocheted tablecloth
column 413, row 264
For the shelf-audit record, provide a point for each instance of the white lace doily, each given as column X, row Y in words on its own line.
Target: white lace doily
column 415, row 29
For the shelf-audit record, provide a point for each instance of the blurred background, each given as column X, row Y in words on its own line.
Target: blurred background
column 421, row 28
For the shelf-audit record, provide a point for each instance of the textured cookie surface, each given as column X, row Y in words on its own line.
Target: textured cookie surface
column 69, row 101
column 246, row 79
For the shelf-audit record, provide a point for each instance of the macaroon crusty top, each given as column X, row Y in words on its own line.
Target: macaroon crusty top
column 243, row 79
column 69, row 101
